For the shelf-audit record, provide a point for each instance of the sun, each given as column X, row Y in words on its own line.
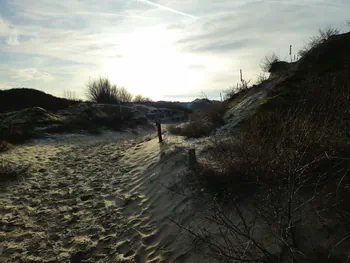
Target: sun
column 151, row 65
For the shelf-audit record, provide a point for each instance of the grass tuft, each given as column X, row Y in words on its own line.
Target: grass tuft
column 12, row 172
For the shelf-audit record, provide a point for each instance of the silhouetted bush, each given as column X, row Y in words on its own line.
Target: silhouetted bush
column 102, row 91
column 316, row 41
column 141, row 99
column 267, row 61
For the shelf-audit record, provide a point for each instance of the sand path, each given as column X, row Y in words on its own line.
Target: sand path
column 95, row 200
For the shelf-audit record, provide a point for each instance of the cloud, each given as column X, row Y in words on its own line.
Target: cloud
column 9, row 32
column 5, row 29
column 255, row 23
column 29, row 74
column 167, row 44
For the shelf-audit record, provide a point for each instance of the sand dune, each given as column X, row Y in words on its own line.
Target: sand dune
column 96, row 199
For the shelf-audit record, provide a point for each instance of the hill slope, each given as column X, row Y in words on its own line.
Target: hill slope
column 22, row 98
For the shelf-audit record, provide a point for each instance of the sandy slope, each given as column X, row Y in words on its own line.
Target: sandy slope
column 95, row 199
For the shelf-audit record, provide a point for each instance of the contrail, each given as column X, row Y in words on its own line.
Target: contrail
column 167, row 9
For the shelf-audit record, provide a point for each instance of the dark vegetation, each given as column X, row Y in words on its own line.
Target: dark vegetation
column 4, row 146
column 202, row 123
column 316, row 41
column 268, row 61
column 287, row 174
column 12, row 172
column 22, row 98
column 19, row 126
column 27, row 113
column 102, row 91
column 92, row 119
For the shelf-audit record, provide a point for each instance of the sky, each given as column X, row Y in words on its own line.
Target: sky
column 163, row 49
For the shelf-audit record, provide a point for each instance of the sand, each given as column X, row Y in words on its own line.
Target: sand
column 96, row 199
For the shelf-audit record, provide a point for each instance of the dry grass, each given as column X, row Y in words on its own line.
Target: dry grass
column 292, row 164
column 12, row 172
column 277, row 140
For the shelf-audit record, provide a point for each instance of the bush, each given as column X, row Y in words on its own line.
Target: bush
column 267, row 61
column 19, row 126
column 261, row 78
column 124, row 96
column 141, row 99
column 202, row 123
column 286, row 177
column 92, row 119
column 299, row 131
column 316, row 41
column 230, row 92
column 102, row 91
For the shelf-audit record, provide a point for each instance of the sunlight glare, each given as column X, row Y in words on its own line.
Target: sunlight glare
column 150, row 65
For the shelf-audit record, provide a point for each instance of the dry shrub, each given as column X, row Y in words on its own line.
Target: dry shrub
column 141, row 99
column 93, row 119
column 202, row 123
column 316, row 41
column 291, row 168
column 261, row 78
column 102, row 91
column 17, row 133
column 267, row 62
column 277, row 141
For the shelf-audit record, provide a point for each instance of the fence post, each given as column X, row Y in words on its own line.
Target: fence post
column 159, row 128
column 347, row 122
column 192, row 160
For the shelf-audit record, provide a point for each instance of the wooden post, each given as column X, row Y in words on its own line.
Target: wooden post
column 347, row 122
column 159, row 128
column 192, row 160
